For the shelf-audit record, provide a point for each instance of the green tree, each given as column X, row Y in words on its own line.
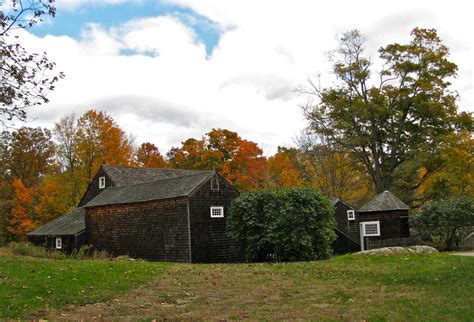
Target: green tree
column 387, row 118
column 25, row 76
column 282, row 224
column 28, row 155
column 445, row 222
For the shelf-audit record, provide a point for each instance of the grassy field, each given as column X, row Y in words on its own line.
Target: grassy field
column 28, row 285
column 353, row 287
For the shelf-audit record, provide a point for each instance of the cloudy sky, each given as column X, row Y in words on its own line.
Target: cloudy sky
column 170, row 70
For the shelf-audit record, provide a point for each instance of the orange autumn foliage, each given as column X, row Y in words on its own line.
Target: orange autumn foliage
column 148, row 156
column 101, row 140
column 282, row 169
column 54, row 199
column 21, row 221
column 239, row 161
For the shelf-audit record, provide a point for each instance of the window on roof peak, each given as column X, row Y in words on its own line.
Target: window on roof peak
column 215, row 184
column 101, row 182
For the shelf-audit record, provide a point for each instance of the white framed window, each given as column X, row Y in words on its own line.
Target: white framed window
column 217, row 212
column 214, row 184
column 101, row 182
column 59, row 243
column 351, row 215
column 371, row 228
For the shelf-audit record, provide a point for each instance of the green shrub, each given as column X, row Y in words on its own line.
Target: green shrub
column 28, row 249
column 282, row 224
column 444, row 223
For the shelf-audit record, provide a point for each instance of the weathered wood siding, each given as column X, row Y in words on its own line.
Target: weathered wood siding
column 156, row 230
column 350, row 228
column 93, row 188
column 344, row 245
column 393, row 224
column 209, row 240
column 69, row 242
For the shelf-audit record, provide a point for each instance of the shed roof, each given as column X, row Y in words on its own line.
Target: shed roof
column 129, row 176
column 71, row 223
column 161, row 189
column 384, row 202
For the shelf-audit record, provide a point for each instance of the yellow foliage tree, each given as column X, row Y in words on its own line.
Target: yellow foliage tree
column 283, row 170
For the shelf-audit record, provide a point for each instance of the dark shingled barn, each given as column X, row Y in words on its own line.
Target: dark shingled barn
column 159, row 214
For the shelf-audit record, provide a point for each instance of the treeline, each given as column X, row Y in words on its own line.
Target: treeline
column 44, row 172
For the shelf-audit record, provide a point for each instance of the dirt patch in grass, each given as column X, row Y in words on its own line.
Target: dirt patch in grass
column 354, row 289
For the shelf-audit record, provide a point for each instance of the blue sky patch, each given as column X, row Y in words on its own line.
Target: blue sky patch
column 71, row 23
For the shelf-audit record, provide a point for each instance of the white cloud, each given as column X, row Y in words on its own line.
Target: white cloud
column 266, row 50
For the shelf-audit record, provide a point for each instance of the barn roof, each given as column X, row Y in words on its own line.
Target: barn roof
column 384, row 202
column 336, row 200
column 160, row 189
column 129, row 176
column 71, row 223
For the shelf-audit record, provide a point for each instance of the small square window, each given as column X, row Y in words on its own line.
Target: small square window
column 101, row 182
column 59, row 243
column 350, row 215
column 217, row 212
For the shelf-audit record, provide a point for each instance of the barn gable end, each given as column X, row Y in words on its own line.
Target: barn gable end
column 209, row 240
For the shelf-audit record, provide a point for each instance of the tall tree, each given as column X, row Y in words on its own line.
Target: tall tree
column 101, row 140
column 388, row 118
column 21, row 219
column 65, row 135
column 25, row 76
column 67, row 152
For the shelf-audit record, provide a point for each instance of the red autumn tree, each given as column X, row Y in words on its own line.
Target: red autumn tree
column 238, row 160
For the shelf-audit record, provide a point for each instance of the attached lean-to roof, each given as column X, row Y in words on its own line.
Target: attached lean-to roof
column 71, row 223
column 162, row 189
column 383, row 202
column 129, row 176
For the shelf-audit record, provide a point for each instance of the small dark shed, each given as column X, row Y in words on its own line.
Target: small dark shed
column 65, row 233
column 383, row 218
column 347, row 228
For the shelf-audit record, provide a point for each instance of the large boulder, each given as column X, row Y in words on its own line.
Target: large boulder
column 424, row 249
column 399, row 250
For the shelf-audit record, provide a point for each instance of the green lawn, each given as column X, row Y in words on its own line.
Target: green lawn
column 28, row 285
column 353, row 287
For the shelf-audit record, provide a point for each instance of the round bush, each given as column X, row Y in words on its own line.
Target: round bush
column 282, row 224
